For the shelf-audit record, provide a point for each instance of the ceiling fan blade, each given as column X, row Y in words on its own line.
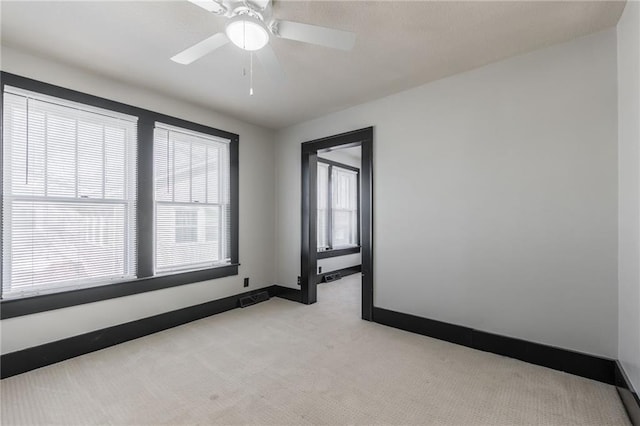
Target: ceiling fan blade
column 313, row 34
column 198, row 50
column 210, row 6
column 270, row 62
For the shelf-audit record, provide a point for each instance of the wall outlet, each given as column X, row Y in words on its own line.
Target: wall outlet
column 299, row 278
column 246, row 282
column 319, row 269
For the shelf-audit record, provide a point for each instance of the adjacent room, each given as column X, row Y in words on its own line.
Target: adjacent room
column 320, row 212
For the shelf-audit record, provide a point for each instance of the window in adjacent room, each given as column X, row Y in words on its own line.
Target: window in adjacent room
column 69, row 195
column 323, row 206
column 192, row 225
column 337, row 218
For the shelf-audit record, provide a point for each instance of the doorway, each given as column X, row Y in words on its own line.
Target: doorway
column 309, row 235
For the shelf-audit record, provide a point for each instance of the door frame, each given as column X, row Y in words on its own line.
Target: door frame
column 308, row 241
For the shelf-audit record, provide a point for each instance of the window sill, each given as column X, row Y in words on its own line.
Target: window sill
column 338, row 252
column 30, row 305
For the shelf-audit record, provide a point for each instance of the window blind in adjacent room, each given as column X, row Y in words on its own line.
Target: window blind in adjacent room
column 323, row 206
column 344, row 207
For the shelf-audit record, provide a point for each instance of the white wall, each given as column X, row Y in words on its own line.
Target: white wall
column 339, row 262
column 257, row 217
column 629, row 190
column 495, row 201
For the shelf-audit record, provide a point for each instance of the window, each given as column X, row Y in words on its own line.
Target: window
column 69, row 181
column 338, row 222
column 108, row 200
column 323, row 206
column 344, row 207
column 192, row 200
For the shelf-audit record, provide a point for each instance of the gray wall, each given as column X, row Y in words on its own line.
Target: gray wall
column 257, row 215
column 494, row 196
column 629, row 191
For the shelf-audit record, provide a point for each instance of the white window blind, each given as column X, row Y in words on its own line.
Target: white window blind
column 192, row 209
column 323, row 207
column 344, row 207
column 337, row 218
column 68, row 195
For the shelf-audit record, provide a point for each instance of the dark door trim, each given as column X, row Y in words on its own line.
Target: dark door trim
column 308, row 240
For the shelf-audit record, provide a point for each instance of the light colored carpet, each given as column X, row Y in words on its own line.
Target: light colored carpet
column 280, row 362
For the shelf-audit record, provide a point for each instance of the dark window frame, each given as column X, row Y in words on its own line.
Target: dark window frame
column 340, row 251
column 146, row 281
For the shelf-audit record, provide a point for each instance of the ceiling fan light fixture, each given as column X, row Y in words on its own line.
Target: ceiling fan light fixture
column 247, row 32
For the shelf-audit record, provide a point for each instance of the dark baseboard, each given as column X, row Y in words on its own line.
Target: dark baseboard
column 287, row 293
column 627, row 394
column 29, row 359
column 593, row 367
column 344, row 272
column 427, row 327
column 580, row 364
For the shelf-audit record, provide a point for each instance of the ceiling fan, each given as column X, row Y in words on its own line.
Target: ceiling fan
column 250, row 26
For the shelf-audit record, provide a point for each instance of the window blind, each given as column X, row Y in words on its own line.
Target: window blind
column 68, row 213
column 192, row 207
column 323, row 207
column 344, row 207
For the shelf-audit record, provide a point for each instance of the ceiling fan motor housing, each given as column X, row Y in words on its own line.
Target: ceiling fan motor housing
column 247, row 30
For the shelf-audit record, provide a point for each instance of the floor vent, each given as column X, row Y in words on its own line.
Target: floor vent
column 331, row 277
column 253, row 299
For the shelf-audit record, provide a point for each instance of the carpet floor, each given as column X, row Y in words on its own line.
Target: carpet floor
column 280, row 362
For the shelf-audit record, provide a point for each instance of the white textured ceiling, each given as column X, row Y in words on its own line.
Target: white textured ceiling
column 399, row 45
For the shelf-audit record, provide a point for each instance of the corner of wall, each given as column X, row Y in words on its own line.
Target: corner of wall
column 628, row 46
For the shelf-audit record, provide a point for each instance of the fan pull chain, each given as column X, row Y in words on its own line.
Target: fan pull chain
column 244, row 35
column 251, row 74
